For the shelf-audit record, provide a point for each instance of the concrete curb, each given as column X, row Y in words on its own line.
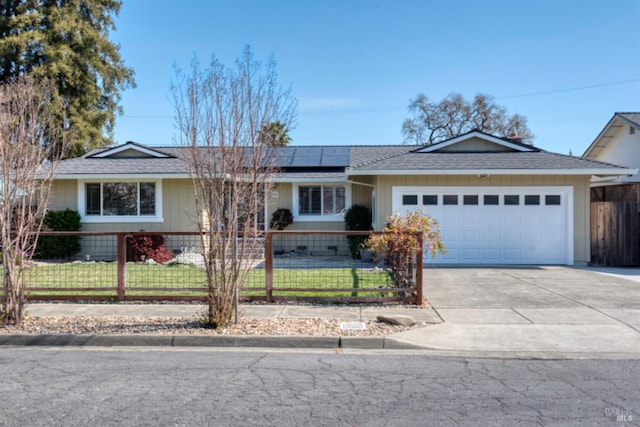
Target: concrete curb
column 141, row 340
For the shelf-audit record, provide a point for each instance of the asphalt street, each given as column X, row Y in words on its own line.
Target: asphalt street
column 213, row 387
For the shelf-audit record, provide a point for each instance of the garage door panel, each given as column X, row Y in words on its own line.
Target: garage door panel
column 534, row 229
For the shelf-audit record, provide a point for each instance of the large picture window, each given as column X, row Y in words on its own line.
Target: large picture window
column 120, row 199
column 321, row 199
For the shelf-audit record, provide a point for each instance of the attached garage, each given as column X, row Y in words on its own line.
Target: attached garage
column 496, row 225
column 498, row 200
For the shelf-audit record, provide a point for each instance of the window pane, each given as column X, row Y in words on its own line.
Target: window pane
column 92, row 196
column 491, row 199
column 531, row 199
column 120, row 198
column 431, row 199
column 410, row 200
column 309, row 199
column 333, row 200
column 341, row 199
column 552, row 199
column 147, row 198
column 512, row 200
column 470, row 199
column 450, row 199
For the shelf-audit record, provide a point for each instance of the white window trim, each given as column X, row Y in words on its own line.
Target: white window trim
column 319, row 218
column 103, row 219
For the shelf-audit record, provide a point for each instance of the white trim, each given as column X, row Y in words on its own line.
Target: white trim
column 303, row 180
column 130, row 146
column 601, row 172
column 295, row 203
column 104, row 219
column 603, row 134
column 565, row 191
column 122, row 176
column 475, row 134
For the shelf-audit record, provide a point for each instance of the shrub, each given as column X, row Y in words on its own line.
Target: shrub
column 144, row 247
column 280, row 219
column 357, row 218
column 399, row 244
column 52, row 247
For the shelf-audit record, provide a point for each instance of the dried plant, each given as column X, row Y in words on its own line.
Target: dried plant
column 400, row 243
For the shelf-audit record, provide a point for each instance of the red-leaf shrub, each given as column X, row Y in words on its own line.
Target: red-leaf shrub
column 146, row 247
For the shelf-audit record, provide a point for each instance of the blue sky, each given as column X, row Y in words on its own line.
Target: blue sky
column 354, row 65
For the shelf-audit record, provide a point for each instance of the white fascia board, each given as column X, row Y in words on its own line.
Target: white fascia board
column 111, row 177
column 308, row 180
column 489, row 138
column 135, row 147
column 599, row 172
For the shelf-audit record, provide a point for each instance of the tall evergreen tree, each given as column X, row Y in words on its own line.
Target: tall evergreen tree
column 67, row 42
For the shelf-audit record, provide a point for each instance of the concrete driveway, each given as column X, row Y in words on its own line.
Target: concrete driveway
column 544, row 311
column 544, row 295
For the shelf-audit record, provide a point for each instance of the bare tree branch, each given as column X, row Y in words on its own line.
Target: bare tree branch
column 220, row 113
column 27, row 163
column 454, row 116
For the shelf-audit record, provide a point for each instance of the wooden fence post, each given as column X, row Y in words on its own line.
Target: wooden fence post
column 122, row 261
column 268, row 265
column 419, row 268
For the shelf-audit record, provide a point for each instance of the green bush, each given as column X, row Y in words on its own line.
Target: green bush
column 280, row 219
column 53, row 247
column 357, row 218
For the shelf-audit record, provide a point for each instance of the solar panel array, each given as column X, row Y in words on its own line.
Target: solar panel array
column 311, row 157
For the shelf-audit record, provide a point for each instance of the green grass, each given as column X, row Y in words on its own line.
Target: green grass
column 103, row 277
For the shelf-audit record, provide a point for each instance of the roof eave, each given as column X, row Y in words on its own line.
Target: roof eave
column 598, row 172
column 601, row 135
column 108, row 176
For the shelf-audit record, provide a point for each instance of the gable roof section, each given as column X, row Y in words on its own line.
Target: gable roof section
column 611, row 128
column 495, row 163
column 509, row 143
column 140, row 151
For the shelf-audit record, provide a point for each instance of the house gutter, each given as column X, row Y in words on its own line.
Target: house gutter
column 597, row 172
column 361, row 183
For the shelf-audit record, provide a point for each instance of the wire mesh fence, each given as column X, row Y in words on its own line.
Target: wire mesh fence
column 317, row 266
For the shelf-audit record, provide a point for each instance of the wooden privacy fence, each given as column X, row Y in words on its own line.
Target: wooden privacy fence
column 314, row 266
column 615, row 234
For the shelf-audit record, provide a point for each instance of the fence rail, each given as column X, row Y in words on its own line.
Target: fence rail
column 313, row 266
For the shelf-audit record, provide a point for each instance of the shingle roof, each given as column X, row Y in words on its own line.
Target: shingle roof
column 317, row 162
column 461, row 161
column 632, row 117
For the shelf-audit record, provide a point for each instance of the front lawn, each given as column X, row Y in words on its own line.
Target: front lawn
column 100, row 278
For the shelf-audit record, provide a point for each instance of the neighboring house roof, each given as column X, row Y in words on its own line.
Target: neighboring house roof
column 612, row 127
column 335, row 163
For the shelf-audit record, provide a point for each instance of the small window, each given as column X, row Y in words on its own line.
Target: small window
column 430, row 199
column 410, row 200
column 552, row 199
column 512, row 200
column 450, row 199
column 530, row 199
column 470, row 199
column 491, row 199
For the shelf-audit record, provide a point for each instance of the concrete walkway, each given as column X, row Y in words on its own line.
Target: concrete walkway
column 537, row 312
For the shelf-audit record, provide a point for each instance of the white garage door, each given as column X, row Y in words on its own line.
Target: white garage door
column 496, row 225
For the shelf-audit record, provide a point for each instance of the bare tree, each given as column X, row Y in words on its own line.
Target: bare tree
column 220, row 112
column 434, row 122
column 29, row 150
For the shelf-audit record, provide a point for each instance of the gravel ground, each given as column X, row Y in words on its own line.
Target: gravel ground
column 192, row 325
